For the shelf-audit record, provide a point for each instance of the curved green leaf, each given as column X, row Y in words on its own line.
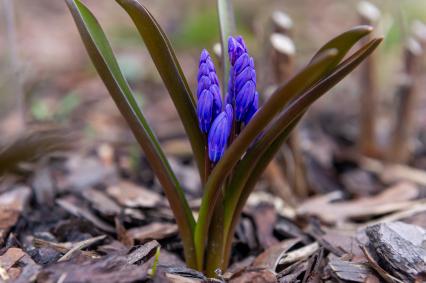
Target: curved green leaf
column 256, row 160
column 103, row 58
column 233, row 154
column 244, row 182
column 170, row 71
column 344, row 42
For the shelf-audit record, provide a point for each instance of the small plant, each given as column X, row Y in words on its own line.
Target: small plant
column 233, row 139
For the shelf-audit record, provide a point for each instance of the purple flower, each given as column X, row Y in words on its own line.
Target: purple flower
column 219, row 134
column 252, row 109
column 236, row 47
column 242, row 81
column 204, row 110
column 208, row 92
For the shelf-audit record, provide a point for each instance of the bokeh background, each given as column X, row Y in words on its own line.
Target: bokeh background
column 60, row 84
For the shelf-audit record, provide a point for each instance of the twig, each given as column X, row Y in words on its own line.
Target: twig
column 300, row 254
column 81, row 245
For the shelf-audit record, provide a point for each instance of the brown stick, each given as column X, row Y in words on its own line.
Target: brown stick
column 407, row 97
column 282, row 56
column 369, row 15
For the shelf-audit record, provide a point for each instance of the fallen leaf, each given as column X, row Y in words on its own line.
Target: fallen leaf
column 153, row 231
column 132, row 195
column 255, row 275
column 330, row 211
column 12, row 203
column 69, row 204
column 270, row 258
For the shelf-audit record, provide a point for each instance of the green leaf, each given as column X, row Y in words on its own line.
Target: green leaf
column 227, row 28
column 170, row 71
column 255, row 161
column 233, row 154
column 106, row 64
column 344, row 42
column 243, row 184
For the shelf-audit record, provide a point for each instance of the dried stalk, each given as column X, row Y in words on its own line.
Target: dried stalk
column 283, row 53
column 407, row 97
column 369, row 15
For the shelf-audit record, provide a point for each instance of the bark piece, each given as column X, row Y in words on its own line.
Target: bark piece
column 12, row 203
column 10, row 257
column 270, row 258
column 400, row 248
column 265, row 217
column 132, row 195
column 142, row 252
column 70, row 205
column 255, row 275
column 102, row 203
column 344, row 270
column 393, row 199
column 153, row 231
column 107, row 269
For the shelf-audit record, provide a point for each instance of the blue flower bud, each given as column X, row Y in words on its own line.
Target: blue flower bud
column 236, row 47
column 229, row 99
column 217, row 100
column 219, row 134
column 254, row 106
column 248, row 74
column 242, row 81
column 207, row 75
column 244, row 99
column 208, row 92
column 230, row 114
column 203, row 83
column 204, row 110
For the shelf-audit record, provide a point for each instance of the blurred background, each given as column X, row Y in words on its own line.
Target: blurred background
column 59, row 83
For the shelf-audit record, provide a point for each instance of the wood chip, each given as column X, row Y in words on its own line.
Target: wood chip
column 393, row 199
column 299, row 254
column 132, row 195
column 153, row 231
column 69, row 205
column 349, row 271
column 143, row 251
column 102, row 203
column 107, row 269
column 255, row 275
column 12, row 203
column 270, row 258
column 400, row 247
column 10, row 257
column 265, row 217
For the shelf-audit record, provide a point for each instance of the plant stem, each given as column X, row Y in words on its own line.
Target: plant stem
column 207, row 163
column 215, row 247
